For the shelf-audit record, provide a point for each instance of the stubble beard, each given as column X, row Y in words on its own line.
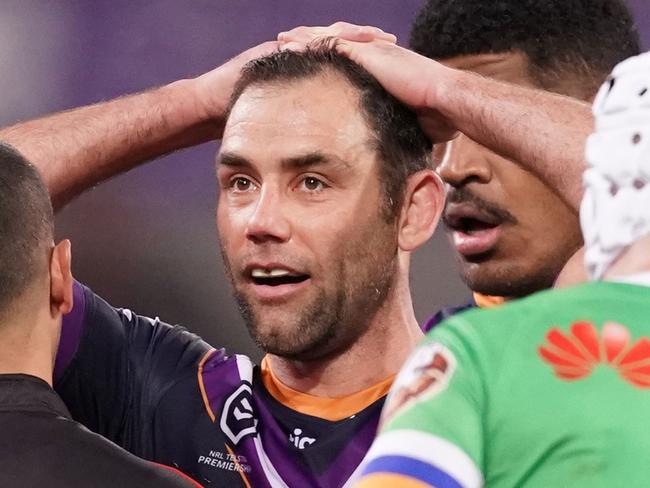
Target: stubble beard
column 512, row 281
column 332, row 320
column 502, row 276
column 505, row 284
column 302, row 333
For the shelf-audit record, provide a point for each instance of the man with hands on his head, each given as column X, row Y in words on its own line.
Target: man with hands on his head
column 165, row 394
column 317, row 219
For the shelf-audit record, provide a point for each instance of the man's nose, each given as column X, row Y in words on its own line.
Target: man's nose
column 464, row 162
column 269, row 221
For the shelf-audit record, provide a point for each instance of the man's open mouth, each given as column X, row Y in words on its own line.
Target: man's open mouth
column 276, row 276
column 469, row 225
column 474, row 231
column 468, row 219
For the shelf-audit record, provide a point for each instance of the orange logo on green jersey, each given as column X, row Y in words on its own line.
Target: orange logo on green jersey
column 425, row 374
column 574, row 356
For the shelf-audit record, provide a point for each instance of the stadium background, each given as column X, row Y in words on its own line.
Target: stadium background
column 147, row 240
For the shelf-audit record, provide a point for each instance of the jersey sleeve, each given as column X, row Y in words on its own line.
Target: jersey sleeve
column 113, row 366
column 432, row 431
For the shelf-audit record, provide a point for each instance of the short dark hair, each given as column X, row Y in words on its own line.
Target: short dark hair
column 26, row 225
column 579, row 40
column 402, row 146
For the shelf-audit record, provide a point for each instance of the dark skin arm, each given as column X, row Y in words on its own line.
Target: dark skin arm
column 545, row 132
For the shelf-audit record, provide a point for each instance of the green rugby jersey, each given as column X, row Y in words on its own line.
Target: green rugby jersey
column 549, row 391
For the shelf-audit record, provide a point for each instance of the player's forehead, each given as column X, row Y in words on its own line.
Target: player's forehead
column 276, row 121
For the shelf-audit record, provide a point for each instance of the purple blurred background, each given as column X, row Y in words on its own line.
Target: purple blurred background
column 147, row 240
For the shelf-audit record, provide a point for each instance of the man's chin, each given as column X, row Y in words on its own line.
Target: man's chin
column 293, row 343
column 292, row 352
column 300, row 330
column 496, row 279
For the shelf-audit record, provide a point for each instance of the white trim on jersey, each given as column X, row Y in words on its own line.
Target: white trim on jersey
column 356, row 474
column 273, row 477
column 245, row 368
column 431, row 449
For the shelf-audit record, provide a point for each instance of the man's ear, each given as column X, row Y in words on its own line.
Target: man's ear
column 61, row 279
column 424, row 200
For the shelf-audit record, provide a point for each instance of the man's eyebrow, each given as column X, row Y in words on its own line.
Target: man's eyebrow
column 314, row 159
column 301, row 161
column 232, row 159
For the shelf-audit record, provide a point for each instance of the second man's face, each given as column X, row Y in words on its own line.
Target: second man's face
column 512, row 234
column 304, row 239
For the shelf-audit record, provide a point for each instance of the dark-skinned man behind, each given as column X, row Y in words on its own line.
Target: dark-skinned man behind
column 512, row 227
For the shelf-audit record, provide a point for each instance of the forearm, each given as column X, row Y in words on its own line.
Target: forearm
column 544, row 132
column 76, row 149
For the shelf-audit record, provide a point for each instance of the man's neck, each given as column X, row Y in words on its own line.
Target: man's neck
column 635, row 260
column 376, row 355
column 27, row 346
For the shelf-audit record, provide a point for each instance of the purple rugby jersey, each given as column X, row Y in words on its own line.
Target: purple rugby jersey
column 444, row 313
column 477, row 300
column 167, row 396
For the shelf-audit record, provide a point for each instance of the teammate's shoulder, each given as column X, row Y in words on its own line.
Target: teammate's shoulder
column 217, row 358
column 550, row 302
column 145, row 331
column 530, row 306
column 539, row 307
column 500, row 321
column 83, row 455
column 444, row 313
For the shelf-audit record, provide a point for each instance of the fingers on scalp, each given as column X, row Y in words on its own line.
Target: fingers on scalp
column 293, row 46
column 258, row 51
column 300, row 34
column 345, row 30
column 268, row 47
column 385, row 36
column 371, row 32
column 352, row 32
column 365, row 36
column 380, row 35
column 342, row 46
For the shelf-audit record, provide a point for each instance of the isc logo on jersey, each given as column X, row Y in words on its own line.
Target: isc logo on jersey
column 425, row 374
column 299, row 440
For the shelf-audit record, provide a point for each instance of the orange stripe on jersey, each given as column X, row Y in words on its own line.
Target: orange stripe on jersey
column 487, row 301
column 179, row 473
column 332, row 409
column 239, row 467
column 206, row 403
column 386, row 480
